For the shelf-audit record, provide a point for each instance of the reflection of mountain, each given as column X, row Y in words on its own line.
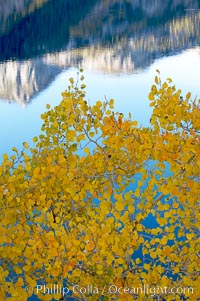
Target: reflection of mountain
column 45, row 30
column 108, row 35
column 20, row 81
column 58, row 25
column 13, row 11
column 129, row 53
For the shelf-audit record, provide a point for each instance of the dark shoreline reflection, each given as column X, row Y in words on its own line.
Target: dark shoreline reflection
column 112, row 35
column 45, row 30
column 61, row 25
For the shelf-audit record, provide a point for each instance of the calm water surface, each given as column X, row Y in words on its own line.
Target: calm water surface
column 119, row 43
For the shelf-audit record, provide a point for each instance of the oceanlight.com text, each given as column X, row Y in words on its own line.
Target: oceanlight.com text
column 113, row 289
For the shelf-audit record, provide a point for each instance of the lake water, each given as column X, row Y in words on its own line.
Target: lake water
column 119, row 43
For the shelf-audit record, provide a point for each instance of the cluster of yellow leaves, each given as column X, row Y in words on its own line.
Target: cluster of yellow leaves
column 99, row 200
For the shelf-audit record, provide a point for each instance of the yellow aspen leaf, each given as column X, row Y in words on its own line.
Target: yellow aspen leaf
column 119, row 271
column 171, row 236
column 153, row 254
column 18, row 270
column 55, row 272
column 87, row 150
column 55, row 124
column 120, row 261
column 108, row 112
column 139, row 227
column 25, row 145
column 188, row 95
column 14, row 149
column 99, row 272
column 131, row 208
column 165, row 85
column 54, row 226
column 119, row 206
column 20, row 282
column 141, row 240
column 130, row 251
column 71, row 80
column 91, row 134
column 137, row 192
column 104, row 206
column 146, row 266
column 164, row 240
column 160, row 269
column 189, row 236
column 83, row 86
column 31, row 281
column 138, row 261
column 134, row 242
column 81, row 137
column 57, row 220
column 98, row 103
column 135, row 235
column 53, row 252
column 169, row 79
column 152, row 104
column 156, row 80
column 5, row 157
column 110, row 220
column 76, row 273
column 151, row 96
column 167, row 214
column 145, row 251
column 35, row 139
column 167, row 250
column 111, row 102
column 139, row 217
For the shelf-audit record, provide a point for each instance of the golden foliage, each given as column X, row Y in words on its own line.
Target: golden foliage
column 94, row 190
